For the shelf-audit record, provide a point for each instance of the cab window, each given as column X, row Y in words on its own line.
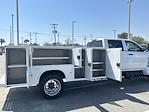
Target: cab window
column 132, row 46
column 95, row 43
column 115, row 44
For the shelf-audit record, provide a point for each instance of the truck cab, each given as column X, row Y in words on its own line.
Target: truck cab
column 134, row 58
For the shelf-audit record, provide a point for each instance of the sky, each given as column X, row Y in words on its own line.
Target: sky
column 93, row 17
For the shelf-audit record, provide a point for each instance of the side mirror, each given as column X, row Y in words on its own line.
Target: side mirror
column 143, row 49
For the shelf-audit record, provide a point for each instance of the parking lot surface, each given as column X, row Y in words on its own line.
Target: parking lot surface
column 105, row 96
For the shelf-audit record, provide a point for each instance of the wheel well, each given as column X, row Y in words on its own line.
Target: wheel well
column 57, row 72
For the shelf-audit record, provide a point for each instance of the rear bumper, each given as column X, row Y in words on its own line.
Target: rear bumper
column 146, row 71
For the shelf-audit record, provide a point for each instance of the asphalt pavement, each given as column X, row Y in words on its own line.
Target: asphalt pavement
column 104, row 96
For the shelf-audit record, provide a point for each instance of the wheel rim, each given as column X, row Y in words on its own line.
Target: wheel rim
column 52, row 87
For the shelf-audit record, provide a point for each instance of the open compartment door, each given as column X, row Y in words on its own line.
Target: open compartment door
column 2, row 71
column 77, row 57
column 113, row 68
column 17, row 63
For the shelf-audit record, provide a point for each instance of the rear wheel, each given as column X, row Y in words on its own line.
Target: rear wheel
column 51, row 86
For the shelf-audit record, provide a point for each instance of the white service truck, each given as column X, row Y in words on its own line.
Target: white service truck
column 49, row 67
column 134, row 59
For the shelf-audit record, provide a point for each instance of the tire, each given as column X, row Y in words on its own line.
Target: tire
column 51, row 86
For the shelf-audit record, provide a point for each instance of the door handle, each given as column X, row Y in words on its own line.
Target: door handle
column 78, row 57
column 130, row 54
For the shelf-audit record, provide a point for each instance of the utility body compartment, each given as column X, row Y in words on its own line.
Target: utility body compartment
column 95, row 63
column 25, row 64
column 17, row 63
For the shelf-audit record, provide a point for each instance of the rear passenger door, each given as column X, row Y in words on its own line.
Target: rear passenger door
column 136, row 57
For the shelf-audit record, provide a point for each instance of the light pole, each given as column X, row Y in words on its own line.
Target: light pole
column 129, row 17
column 12, row 36
column 73, row 22
column 17, row 10
column 114, row 32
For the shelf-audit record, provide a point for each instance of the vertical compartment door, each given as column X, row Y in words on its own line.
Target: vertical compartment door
column 77, row 57
column 113, row 69
column 17, row 65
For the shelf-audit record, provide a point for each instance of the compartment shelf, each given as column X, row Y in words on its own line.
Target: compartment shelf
column 98, row 62
column 97, row 70
column 78, row 67
column 16, row 66
column 50, row 58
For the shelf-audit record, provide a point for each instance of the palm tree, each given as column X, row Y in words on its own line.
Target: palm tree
column 26, row 41
column 2, row 41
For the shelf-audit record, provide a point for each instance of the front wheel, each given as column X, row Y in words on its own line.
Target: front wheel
column 51, row 86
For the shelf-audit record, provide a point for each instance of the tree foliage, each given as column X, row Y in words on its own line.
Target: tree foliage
column 47, row 44
column 2, row 41
column 123, row 35
column 137, row 39
column 26, row 41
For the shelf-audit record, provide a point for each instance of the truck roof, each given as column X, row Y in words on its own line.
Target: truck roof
column 107, row 39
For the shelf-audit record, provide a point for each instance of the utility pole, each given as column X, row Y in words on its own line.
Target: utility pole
column 58, row 37
column 114, row 32
column 17, row 10
column 75, row 40
column 129, row 17
column 36, row 37
column 54, row 31
column 73, row 22
column 12, row 36
column 30, row 36
column 22, row 40
column 91, row 37
column 84, row 40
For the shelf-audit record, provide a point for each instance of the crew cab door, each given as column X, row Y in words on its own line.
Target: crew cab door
column 113, row 64
column 136, row 58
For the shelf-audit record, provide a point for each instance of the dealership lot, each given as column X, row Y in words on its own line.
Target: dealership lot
column 130, row 96
column 104, row 96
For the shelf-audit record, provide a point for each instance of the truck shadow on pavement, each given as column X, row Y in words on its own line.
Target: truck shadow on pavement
column 24, row 100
